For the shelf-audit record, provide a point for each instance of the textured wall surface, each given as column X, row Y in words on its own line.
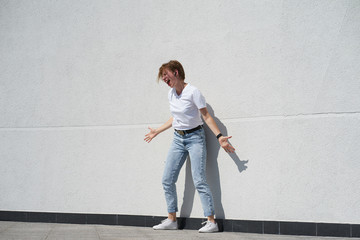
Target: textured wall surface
column 78, row 91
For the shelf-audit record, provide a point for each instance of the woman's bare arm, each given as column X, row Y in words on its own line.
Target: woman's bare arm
column 223, row 140
column 154, row 132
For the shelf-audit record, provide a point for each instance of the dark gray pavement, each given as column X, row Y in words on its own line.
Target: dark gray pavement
column 51, row 231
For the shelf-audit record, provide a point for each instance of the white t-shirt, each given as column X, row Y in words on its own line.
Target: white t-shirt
column 185, row 108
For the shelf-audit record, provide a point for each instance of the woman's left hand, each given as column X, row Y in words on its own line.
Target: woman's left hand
column 223, row 140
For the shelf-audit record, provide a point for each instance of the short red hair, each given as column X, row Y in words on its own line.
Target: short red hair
column 172, row 66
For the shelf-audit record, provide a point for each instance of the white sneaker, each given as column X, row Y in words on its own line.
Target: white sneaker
column 209, row 227
column 166, row 224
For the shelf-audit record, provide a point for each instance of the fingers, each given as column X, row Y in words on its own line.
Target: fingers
column 229, row 149
column 224, row 138
column 147, row 139
column 227, row 146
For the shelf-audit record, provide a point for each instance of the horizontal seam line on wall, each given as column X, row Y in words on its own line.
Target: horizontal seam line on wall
column 224, row 120
column 75, row 127
column 294, row 116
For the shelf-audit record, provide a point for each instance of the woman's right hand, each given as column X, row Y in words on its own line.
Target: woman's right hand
column 153, row 133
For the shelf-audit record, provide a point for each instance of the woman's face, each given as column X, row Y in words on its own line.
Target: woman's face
column 170, row 78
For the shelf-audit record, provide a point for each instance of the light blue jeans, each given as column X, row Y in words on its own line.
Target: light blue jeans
column 192, row 144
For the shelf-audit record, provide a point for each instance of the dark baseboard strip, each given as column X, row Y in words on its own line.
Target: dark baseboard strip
column 228, row 225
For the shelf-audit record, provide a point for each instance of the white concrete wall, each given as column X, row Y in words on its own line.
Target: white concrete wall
column 78, row 90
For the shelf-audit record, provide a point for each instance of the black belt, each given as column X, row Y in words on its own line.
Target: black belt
column 183, row 132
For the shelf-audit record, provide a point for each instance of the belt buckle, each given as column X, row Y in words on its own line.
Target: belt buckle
column 181, row 132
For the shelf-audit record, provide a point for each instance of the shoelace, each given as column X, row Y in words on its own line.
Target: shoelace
column 206, row 222
column 165, row 220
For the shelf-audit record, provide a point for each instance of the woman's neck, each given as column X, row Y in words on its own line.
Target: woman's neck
column 180, row 87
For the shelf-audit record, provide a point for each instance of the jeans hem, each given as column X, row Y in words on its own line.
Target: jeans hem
column 171, row 211
column 210, row 214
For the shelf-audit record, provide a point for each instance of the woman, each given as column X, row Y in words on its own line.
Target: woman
column 187, row 105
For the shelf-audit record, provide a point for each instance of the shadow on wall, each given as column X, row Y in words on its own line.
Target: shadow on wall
column 212, row 173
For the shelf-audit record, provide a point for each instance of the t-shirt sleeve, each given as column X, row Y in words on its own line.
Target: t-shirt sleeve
column 199, row 99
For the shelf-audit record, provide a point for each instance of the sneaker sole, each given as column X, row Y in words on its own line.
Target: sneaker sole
column 165, row 228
